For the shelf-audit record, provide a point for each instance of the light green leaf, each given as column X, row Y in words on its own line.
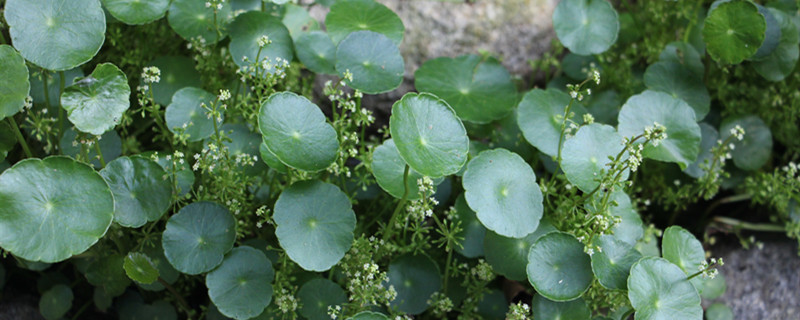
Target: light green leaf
column 192, row 19
column 719, row 311
column 680, row 82
column 348, row 16
column 558, row 268
column 680, row 247
column 197, row 237
column 14, row 83
column 141, row 194
column 586, row 26
column 140, row 268
column 546, row 309
column 246, row 32
column 659, row 290
column 585, row 156
column 316, row 51
column 95, row 104
column 137, row 11
column 186, row 113
column 388, row 168
column 242, row 285
column 374, row 61
column 540, row 114
column 612, row 262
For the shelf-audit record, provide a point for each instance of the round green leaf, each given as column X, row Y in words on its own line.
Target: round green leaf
column 429, row 135
column 374, row 61
column 540, row 114
column 197, row 237
column 680, row 247
column 241, row 287
column 714, row 287
column 367, row 315
column 109, row 274
column 186, row 113
column 56, row 34
column 508, row 256
column 137, row 11
column 558, row 268
column 14, row 83
column 781, row 62
column 247, row 30
column 298, row 20
column 155, row 253
column 55, row 302
column 297, row 132
column 315, row 224
column 388, row 168
column 586, row 26
column 270, row 159
column 585, row 156
column 772, row 35
column 473, row 232
column 683, row 134
column 755, row 149
column 316, row 295
column 177, row 72
column 141, row 193
column 140, row 268
column 709, row 137
column 546, row 309
column 478, row 90
column 316, row 51
column 685, row 54
column 733, row 31
column 501, row 188
column 719, row 311
column 192, row 19
column 658, row 289
column 612, row 261
column 347, row 16
column 681, row 83
column 52, row 208
column 415, row 278
column 95, row 104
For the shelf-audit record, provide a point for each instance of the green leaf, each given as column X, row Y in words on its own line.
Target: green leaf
column 612, row 261
column 479, row 90
column 540, row 114
column 316, row 295
column 683, row 134
column 141, row 194
column 658, row 289
column 714, row 288
column 192, row 19
column 709, row 137
column 781, row 62
column 297, row 132
column 586, row 26
column 7, row 143
column 137, row 11
column 241, row 287
column 772, row 35
column 315, row 224
column 155, row 252
column 374, row 61
column 367, row 315
column 298, row 20
column 546, row 309
column 197, row 237
column 55, row 302
column 270, row 159
column 733, row 31
column 186, row 113
column 52, row 208
column 183, row 172
column 110, row 146
column 685, row 54
column 558, row 268
column 37, row 77
column 247, row 30
column 493, row 305
column 388, row 168
column 585, row 157
column 629, row 229
column 680, row 247
column 243, row 142
column 473, row 232
column 501, row 188
column 415, row 278
column 108, row 273
column 680, row 82
column 755, row 149
column 95, row 104
column 429, row 135
column 348, row 16
column 56, row 34
column 508, row 256
column 177, row 72
column 316, row 51
column 578, row 67
column 140, row 268
column 719, row 311
column 14, row 83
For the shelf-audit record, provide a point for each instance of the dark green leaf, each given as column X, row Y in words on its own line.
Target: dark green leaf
column 316, row 295
column 612, row 262
column 186, row 113
column 586, row 26
column 547, row 309
column 241, row 287
column 192, row 19
column 752, row 152
column 55, row 302
column 246, row 32
column 14, row 83
column 197, row 237
column 558, row 268
column 140, row 268
column 733, row 31
column 680, row 82
column 374, row 61
column 415, row 278
column 316, row 51
column 540, row 114
column 108, row 273
column 347, row 16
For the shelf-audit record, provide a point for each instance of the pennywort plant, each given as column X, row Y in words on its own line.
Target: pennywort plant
column 205, row 175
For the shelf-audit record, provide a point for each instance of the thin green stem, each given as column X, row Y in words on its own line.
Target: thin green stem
column 765, row 227
column 20, row 137
column 82, row 309
column 177, row 296
column 447, row 269
column 390, row 228
column 563, row 129
column 99, row 153
column 692, row 21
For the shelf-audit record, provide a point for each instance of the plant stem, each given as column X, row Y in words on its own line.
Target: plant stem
column 388, row 233
column 563, row 128
column 99, row 154
column 82, row 309
column 61, row 83
column 729, row 199
column 20, row 137
column 447, row 270
column 177, row 296
column 766, row 227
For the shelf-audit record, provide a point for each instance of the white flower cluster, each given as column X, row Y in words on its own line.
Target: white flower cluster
column 151, row 74
column 655, row 133
column 224, row 94
column 518, row 311
column 263, row 41
column 708, row 269
column 738, row 132
column 588, row 118
column 441, row 304
column 216, row 4
column 286, row 302
column 483, row 271
column 596, row 76
column 635, row 158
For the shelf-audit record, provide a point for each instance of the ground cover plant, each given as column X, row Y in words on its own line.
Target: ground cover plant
column 173, row 159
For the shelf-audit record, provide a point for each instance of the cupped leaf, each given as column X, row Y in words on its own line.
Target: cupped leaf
column 56, row 34
column 585, row 157
column 109, row 274
column 389, row 168
column 270, row 159
column 241, row 287
column 733, row 31
column 187, row 115
column 177, row 72
column 415, row 278
column 478, row 90
column 472, row 231
column 347, row 16
column 140, row 268
column 198, row 236
column 501, row 188
column 540, row 114
column 508, row 256
column 643, row 110
column 14, row 83
column 193, row 19
column 755, row 149
column 95, row 104
column 315, row 224
column 297, row 132
column 680, row 247
column 700, row 167
column 429, row 135
column 55, row 302
column 546, row 309
column 680, row 82
column 558, row 268
column 141, row 194
column 586, row 26
column 52, row 208
column 685, row 54
column 316, row 51
column 317, row 295
column 781, row 62
column 373, row 60
column 137, row 11
column 368, row 315
column 612, row 261
column 246, row 32
column 658, row 289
